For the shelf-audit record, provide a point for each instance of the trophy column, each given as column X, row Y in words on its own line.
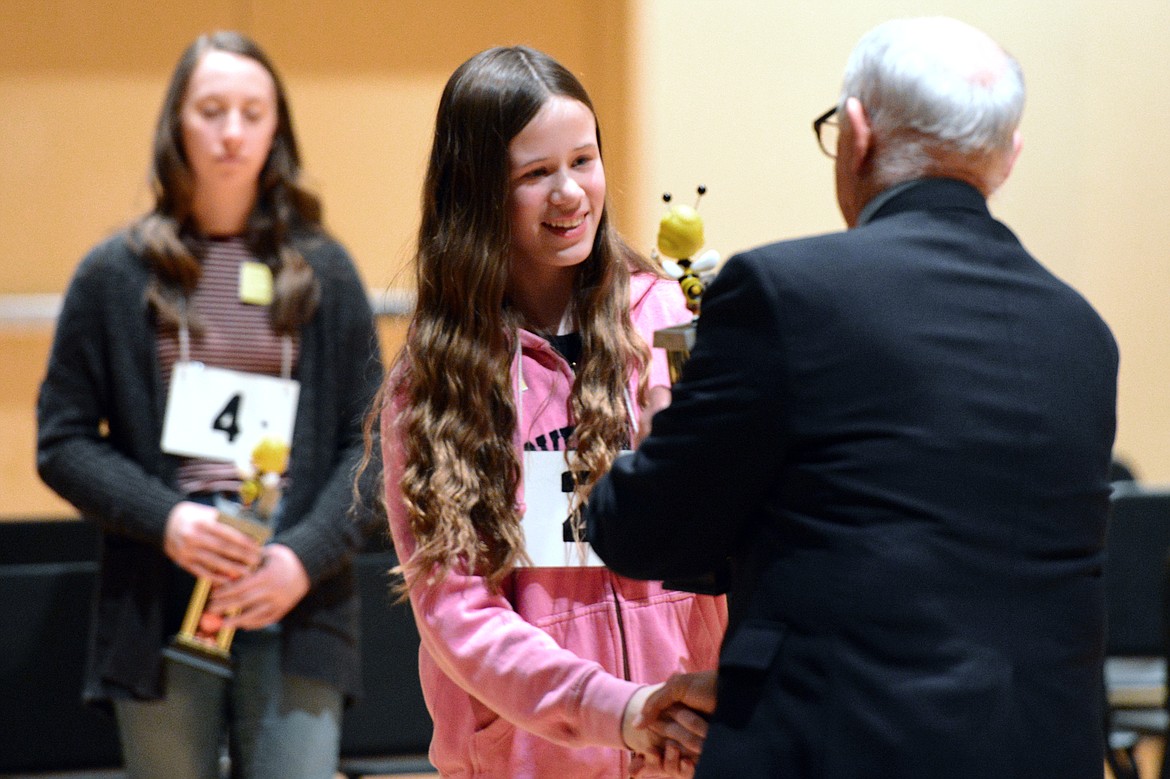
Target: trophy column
column 677, row 341
column 203, row 641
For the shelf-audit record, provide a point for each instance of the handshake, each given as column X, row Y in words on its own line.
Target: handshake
column 665, row 725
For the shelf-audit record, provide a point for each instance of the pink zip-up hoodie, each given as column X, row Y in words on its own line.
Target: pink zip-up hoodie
column 532, row 681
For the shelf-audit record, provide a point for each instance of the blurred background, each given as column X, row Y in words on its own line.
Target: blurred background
column 689, row 92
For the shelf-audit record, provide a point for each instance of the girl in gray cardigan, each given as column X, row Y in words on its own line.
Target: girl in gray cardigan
column 228, row 205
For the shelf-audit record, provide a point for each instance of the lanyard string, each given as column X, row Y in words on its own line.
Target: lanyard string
column 633, row 417
column 184, row 334
column 286, row 351
column 518, row 387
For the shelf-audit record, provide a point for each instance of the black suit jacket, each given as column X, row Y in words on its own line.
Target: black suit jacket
column 900, row 436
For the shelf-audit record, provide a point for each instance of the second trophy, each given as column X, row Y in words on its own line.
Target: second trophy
column 203, row 640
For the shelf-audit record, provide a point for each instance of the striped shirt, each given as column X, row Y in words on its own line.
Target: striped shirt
column 236, row 335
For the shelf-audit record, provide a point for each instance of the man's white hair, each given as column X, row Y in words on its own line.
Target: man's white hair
column 935, row 84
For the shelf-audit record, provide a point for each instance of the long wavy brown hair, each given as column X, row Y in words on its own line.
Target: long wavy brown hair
column 285, row 210
column 458, row 422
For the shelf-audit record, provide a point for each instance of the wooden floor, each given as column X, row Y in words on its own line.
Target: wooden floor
column 1148, row 752
column 1149, row 758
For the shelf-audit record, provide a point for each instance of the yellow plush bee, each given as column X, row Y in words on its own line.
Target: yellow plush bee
column 260, row 489
column 680, row 236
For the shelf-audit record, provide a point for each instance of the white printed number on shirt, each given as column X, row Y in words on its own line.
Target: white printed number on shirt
column 221, row 414
column 547, row 522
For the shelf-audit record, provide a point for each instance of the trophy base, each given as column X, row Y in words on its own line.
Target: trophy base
column 198, row 655
column 676, row 338
column 677, row 341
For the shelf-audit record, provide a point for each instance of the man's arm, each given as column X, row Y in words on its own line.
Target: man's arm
column 674, row 508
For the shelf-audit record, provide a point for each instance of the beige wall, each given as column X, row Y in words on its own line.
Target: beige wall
column 81, row 89
column 727, row 94
column 81, row 84
column 689, row 92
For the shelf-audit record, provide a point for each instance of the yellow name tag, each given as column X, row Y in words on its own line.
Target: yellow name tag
column 255, row 283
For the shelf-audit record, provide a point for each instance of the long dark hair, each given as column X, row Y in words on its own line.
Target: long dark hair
column 459, row 415
column 167, row 236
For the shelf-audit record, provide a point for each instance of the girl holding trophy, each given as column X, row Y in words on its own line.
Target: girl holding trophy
column 525, row 370
column 225, row 313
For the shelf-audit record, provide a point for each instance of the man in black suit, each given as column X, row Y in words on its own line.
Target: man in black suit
column 899, row 435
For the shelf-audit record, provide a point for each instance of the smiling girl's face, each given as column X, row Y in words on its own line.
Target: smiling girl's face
column 557, row 189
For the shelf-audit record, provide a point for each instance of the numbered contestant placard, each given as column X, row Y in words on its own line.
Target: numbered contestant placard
column 547, row 523
column 221, row 414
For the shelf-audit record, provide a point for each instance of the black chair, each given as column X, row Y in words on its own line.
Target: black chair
column 47, row 577
column 1137, row 543
column 388, row 732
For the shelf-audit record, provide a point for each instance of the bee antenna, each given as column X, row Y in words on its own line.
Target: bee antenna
column 665, row 197
column 702, row 190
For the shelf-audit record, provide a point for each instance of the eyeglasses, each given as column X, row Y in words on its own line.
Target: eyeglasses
column 825, row 127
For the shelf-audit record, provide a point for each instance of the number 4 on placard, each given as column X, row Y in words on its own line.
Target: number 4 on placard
column 220, row 414
column 227, row 419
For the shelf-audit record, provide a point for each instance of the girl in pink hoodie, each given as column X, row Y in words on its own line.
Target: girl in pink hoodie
column 525, row 370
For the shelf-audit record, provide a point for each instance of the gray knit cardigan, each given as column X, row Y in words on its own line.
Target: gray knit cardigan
column 104, row 368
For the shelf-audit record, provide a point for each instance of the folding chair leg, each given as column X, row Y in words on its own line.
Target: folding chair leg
column 1122, row 763
column 1119, row 754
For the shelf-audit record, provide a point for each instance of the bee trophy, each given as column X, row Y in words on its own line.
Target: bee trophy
column 680, row 236
column 203, row 640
